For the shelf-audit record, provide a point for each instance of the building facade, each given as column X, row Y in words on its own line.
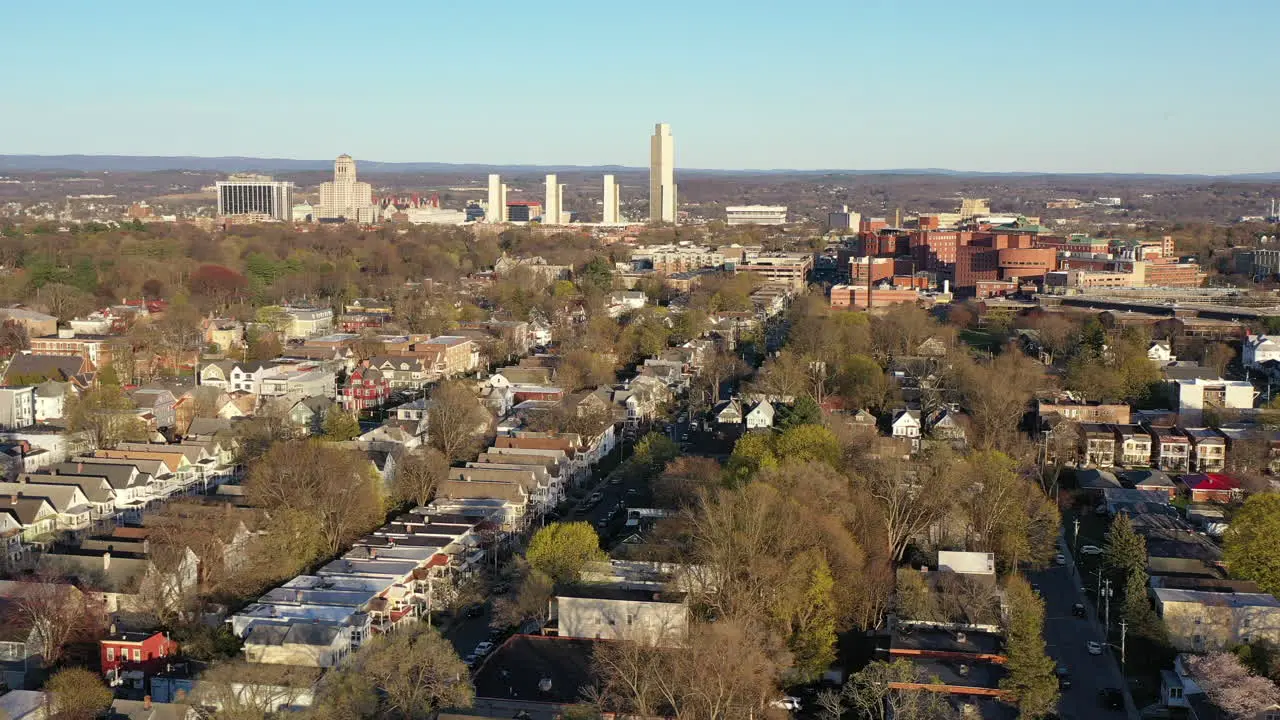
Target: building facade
column 255, row 196
column 345, row 198
column 662, row 175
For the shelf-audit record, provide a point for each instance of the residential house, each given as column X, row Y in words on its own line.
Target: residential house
column 122, row 572
column 403, row 371
column 1133, row 444
column 20, row 642
column 610, row 612
column 132, row 489
column 1160, row 353
column 1084, row 412
column 225, row 334
column 624, row 301
column 305, row 322
column 1199, row 621
column 159, row 402
column 37, row 324
column 31, row 369
column 906, row 425
column 17, row 407
column 1172, row 449
column 1208, row 449
column 1151, row 481
column 73, row 514
column 308, row 414
column 139, row 652
column 23, row 704
column 946, row 426
column 302, row 644
column 759, row 416
column 728, row 412
column 1098, row 444
column 1212, row 487
column 366, row 388
column 149, row 709
column 454, row 355
column 51, row 400
column 1258, row 349
column 35, row 515
column 1194, row 396
column 11, row 545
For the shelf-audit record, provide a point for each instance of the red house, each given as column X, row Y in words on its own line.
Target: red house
column 367, row 388
column 135, row 651
column 1212, row 487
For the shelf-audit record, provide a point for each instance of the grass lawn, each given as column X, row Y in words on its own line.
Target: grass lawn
column 980, row 339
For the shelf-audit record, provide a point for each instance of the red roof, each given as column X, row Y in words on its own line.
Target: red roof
column 1211, row 481
column 438, row 560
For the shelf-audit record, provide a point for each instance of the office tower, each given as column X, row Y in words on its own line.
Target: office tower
column 662, row 175
column 255, row 195
column 497, row 210
column 553, row 214
column 612, row 216
column 344, row 198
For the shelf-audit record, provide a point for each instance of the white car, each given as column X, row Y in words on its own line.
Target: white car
column 1095, row 648
column 483, row 649
column 1091, row 550
column 789, row 702
column 1059, row 559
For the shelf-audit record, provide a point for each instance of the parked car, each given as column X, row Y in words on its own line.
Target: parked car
column 616, row 480
column 483, row 648
column 1091, row 550
column 1059, row 559
column 1064, row 677
column 1094, row 648
column 470, row 660
column 1078, row 610
column 789, row 702
column 475, row 611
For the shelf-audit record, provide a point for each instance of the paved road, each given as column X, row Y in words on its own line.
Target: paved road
column 1065, row 637
column 465, row 633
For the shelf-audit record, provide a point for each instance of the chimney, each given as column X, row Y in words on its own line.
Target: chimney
column 106, row 561
column 79, row 467
column 146, row 702
column 180, row 695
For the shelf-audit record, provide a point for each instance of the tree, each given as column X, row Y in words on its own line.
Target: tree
column 410, row 674
column 55, row 612
column 1218, row 356
column 455, row 421
column 418, row 473
column 908, row 497
column 562, row 550
column 1251, row 550
column 106, row 415
column 914, row 599
column 13, row 338
column 1137, row 611
column 752, row 453
column 335, row 488
column 681, row 481
column 1124, row 551
column 806, row 608
column 1031, row 681
column 804, row 443
column 783, row 378
column 64, row 301
column 1230, row 686
column 77, row 694
column 216, row 283
column 340, row 425
column 529, row 601
column 996, row 395
column 274, row 686
column 871, row 692
column 804, row 412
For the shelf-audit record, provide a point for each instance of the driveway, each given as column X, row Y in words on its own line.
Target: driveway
column 1065, row 637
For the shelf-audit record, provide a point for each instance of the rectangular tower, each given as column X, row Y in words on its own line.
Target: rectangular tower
column 551, row 213
column 497, row 210
column 662, row 175
column 612, row 216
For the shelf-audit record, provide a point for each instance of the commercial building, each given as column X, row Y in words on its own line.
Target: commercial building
column 255, row 197
column 756, row 215
column 1197, row 394
column 856, row 296
column 612, row 214
column 522, row 210
column 496, row 211
column 844, row 219
column 662, row 175
column 680, row 258
column 553, row 212
column 789, row 268
column 344, row 198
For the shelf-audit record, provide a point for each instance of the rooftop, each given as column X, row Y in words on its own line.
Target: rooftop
column 537, row 669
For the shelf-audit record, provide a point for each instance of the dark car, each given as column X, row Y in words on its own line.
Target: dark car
column 1111, row 698
column 1078, row 610
column 475, row 611
column 1064, row 677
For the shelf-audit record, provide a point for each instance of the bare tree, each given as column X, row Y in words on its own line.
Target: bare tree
column 456, row 420
column 909, row 496
column 418, row 473
column 55, row 612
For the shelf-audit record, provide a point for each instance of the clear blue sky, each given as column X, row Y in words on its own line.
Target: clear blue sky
column 1071, row 85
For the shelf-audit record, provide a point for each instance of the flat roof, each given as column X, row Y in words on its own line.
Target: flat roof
column 517, row 669
column 1220, row 599
column 614, row 592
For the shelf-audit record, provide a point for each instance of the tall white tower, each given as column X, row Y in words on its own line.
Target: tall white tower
column 497, row 210
column 612, row 215
column 552, row 211
column 662, row 175
column 345, row 197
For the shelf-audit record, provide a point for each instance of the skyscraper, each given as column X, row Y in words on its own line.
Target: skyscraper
column 554, row 207
column 662, row 175
column 612, row 216
column 497, row 210
column 255, row 195
column 344, row 198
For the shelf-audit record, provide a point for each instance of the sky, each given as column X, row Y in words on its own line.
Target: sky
column 1162, row 86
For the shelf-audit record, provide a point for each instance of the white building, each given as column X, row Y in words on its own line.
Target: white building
column 255, row 196
column 662, row 175
column 756, row 215
column 1160, row 353
column 496, row 212
column 844, row 219
column 435, row 216
column 344, row 197
column 17, row 407
column 612, row 202
column 553, row 210
column 1258, row 349
column 1197, row 394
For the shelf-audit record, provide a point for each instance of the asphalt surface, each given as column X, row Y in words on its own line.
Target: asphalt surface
column 1065, row 637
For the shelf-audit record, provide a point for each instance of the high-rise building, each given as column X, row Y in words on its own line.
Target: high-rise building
column 344, row 198
column 612, row 214
column 553, row 214
column 255, row 196
column 496, row 212
column 662, row 175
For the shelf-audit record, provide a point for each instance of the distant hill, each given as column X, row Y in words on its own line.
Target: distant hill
column 231, row 164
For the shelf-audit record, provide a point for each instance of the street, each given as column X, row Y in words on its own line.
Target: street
column 1065, row 637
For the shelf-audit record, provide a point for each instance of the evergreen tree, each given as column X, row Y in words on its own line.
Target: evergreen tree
column 341, row 426
column 1031, row 681
column 1137, row 611
column 804, row 412
column 1125, row 550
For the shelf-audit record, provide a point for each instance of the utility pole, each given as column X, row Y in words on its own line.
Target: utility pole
column 1106, row 593
column 1123, row 627
column 1099, row 605
column 1075, row 538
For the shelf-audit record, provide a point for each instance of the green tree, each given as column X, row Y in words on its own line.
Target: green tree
column 804, row 443
column 341, row 426
column 1252, row 552
column 871, row 693
column 805, row 411
column 562, row 550
column 1124, row 551
column 1031, row 681
column 752, row 453
column 598, row 274
column 1137, row 611
column 806, row 606
column 77, row 694
column 106, row 415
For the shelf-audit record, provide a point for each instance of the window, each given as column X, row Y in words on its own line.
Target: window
column 1175, row 693
column 137, row 655
column 111, row 654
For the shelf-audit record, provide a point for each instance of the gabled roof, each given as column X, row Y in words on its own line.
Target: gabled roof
column 51, row 367
column 26, row 510
column 1210, row 482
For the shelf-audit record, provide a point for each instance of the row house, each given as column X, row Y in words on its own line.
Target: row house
column 1098, row 444
column 1172, row 449
column 36, row 522
column 131, row 489
column 366, row 388
column 1133, row 444
column 403, row 371
column 178, row 476
column 1208, row 450
column 74, row 513
column 508, row 502
column 541, row 494
column 566, row 449
column 11, row 540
